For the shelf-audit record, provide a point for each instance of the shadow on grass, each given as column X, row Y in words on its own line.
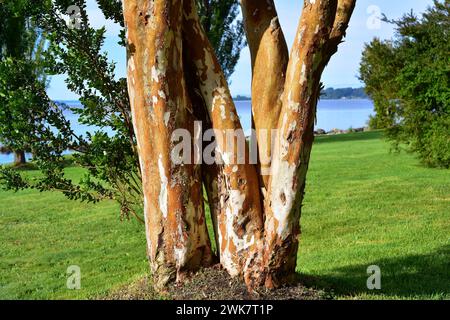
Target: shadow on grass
column 408, row 276
column 357, row 136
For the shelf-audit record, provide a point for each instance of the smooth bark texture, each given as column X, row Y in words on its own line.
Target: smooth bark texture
column 269, row 55
column 175, row 82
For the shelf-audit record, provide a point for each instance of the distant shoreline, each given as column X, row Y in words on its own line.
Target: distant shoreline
column 321, row 98
column 239, row 99
column 329, row 94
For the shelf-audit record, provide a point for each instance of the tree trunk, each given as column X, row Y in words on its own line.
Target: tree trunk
column 177, row 238
column 175, row 82
column 19, row 158
column 239, row 214
column 269, row 56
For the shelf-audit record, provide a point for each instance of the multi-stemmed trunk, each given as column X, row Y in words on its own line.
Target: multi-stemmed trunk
column 175, row 82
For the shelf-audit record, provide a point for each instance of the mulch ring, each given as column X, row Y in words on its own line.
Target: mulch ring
column 214, row 284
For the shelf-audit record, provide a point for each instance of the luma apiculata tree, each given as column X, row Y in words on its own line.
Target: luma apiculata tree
column 175, row 82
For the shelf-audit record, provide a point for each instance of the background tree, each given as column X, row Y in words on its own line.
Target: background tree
column 108, row 151
column 408, row 79
column 225, row 31
column 21, row 44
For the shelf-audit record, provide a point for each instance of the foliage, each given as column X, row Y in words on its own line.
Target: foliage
column 22, row 45
column 110, row 159
column 408, row 79
column 108, row 152
column 224, row 30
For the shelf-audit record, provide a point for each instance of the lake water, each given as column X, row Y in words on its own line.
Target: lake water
column 331, row 114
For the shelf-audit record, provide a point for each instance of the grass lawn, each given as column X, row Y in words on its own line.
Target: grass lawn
column 364, row 206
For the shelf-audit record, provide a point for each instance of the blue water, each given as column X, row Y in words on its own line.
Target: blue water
column 331, row 114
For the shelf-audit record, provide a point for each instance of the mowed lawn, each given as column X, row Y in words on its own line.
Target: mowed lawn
column 364, row 206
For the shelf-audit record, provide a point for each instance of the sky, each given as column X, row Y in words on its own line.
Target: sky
column 342, row 70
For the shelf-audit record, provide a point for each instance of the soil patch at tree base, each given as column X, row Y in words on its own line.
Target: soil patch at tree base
column 214, row 284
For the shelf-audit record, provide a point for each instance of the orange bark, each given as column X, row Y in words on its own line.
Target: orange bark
column 320, row 30
column 175, row 224
column 174, row 79
column 239, row 216
column 269, row 54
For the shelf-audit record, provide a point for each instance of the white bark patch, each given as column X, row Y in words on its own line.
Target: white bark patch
column 274, row 23
column 218, row 96
column 303, row 74
column 131, row 64
column 163, row 196
column 222, row 112
column 234, row 207
column 180, row 255
column 166, row 118
column 227, row 158
column 295, row 61
column 301, row 34
column 284, row 143
column 214, row 92
column 293, row 105
column 283, row 195
column 181, row 248
column 147, row 231
column 160, row 69
column 155, row 74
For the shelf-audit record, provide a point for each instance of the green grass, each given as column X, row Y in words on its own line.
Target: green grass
column 364, row 206
column 42, row 234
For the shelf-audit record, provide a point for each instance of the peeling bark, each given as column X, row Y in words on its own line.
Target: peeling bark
column 269, row 55
column 177, row 239
column 210, row 172
column 239, row 216
column 308, row 58
column 174, row 80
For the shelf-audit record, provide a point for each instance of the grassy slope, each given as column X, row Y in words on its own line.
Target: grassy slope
column 363, row 206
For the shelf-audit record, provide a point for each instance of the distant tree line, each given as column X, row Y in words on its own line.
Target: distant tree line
column 344, row 93
column 242, row 98
column 329, row 94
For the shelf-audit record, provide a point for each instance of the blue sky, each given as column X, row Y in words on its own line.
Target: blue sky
column 341, row 72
